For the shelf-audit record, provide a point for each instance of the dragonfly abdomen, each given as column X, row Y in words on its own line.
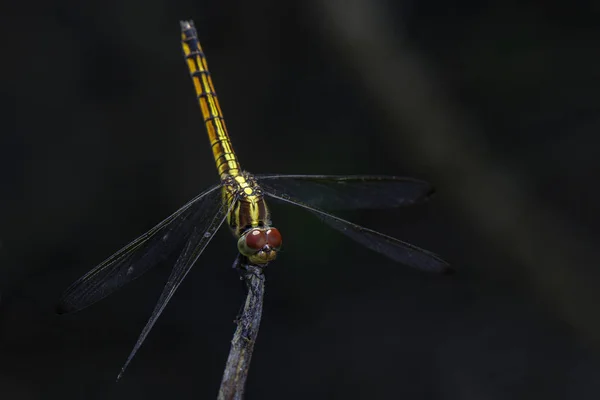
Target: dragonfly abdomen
column 220, row 143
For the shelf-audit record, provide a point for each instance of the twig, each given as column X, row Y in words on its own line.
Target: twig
column 242, row 345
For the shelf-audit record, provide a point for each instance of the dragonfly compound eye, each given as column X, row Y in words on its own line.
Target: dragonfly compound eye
column 260, row 245
column 256, row 239
column 274, row 238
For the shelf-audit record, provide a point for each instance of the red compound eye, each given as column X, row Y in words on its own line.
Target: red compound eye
column 256, row 239
column 274, row 238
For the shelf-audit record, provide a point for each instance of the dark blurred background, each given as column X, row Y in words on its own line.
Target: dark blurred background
column 496, row 103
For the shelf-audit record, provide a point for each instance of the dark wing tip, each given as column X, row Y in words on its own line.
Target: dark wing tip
column 63, row 308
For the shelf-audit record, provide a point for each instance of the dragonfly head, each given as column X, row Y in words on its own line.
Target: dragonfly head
column 260, row 245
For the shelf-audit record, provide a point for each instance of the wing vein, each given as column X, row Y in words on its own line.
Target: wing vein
column 193, row 248
column 393, row 248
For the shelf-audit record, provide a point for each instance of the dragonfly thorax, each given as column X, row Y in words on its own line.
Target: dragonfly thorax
column 249, row 218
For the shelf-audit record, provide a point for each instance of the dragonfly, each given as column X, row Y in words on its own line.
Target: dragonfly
column 239, row 200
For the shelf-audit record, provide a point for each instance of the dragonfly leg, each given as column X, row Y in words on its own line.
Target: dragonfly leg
column 238, row 263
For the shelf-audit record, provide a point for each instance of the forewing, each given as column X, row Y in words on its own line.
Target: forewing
column 143, row 253
column 195, row 245
column 395, row 249
column 349, row 192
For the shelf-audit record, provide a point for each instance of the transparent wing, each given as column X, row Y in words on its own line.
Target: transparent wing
column 143, row 253
column 395, row 249
column 195, row 245
column 349, row 192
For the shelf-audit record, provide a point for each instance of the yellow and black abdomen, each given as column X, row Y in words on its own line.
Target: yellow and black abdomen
column 222, row 149
column 249, row 209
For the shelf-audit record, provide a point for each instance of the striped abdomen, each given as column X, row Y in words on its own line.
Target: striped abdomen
column 223, row 153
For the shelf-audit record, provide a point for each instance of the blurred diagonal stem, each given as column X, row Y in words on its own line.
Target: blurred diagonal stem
column 553, row 258
column 242, row 345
